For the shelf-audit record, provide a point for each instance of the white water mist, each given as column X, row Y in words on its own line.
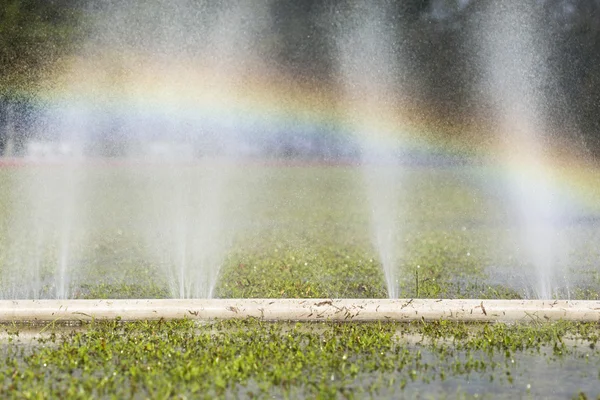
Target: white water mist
column 514, row 54
column 191, row 228
column 45, row 235
column 368, row 66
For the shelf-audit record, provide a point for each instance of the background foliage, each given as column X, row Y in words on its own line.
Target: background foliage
column 437, row 35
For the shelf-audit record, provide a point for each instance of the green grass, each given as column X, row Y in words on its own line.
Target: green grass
column 287, row 232
column 253, row 359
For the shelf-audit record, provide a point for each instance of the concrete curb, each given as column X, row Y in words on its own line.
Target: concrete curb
column 300, row 310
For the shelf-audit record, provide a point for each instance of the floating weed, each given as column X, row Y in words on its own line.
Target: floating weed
column 260, row 359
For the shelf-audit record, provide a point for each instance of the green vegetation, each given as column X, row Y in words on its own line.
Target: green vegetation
column 253, row 359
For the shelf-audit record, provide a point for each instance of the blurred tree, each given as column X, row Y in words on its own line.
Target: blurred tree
column 575, row 29
column 437, row 38
column 34, row 34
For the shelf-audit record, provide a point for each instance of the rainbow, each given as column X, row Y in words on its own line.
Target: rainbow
column 191, row 91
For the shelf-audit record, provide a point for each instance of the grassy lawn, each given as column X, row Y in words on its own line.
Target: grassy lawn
column 271, row 231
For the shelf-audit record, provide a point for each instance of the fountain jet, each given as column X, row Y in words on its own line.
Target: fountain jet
column 368, row 65
column 514, row 56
